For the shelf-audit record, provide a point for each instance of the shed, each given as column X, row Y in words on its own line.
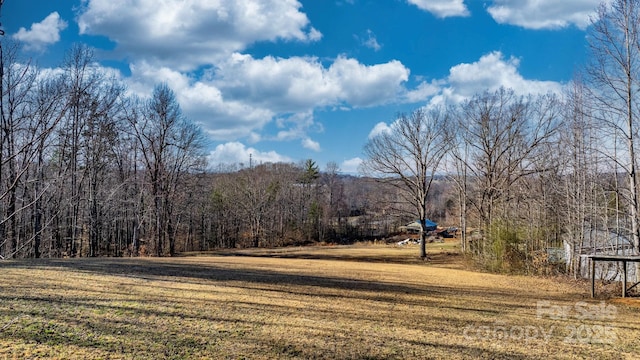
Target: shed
column 415, row 226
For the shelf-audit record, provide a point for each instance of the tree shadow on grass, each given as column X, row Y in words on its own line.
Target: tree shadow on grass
column 483, row 304
column 441, row 258
column 289, row 282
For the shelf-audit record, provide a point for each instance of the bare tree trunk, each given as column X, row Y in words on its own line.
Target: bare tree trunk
column 170, row 146
column 408, row 157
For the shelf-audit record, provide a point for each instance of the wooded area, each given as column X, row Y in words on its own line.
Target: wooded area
column 88, row 170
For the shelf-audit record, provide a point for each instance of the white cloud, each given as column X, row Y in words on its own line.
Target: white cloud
column 350, row 166
column 238, row 99
column 490, row 72
column 235, row 96
column 310, row 144
column 314, row 34
column 442, row 8
column 41, row 34
column 422, row 92
column 203, row 102
column 297, row 126
column 543, row 14
column 236, row 153
column 302, row 83
column 286, row 85
column 371, row 41
column 380, row 128
column 254, row 137
column 242, row 95
column 361, row 85
column 187, row 34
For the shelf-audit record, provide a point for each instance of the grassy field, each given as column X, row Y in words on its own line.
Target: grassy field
column 356, row 302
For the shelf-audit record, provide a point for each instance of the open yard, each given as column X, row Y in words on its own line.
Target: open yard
column 359, row 302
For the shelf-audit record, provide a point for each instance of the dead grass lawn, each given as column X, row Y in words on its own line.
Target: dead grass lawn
column 359, row 302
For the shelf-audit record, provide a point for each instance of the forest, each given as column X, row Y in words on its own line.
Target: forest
column 87, row 170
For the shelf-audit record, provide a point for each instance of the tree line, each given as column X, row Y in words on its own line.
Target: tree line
column 537, row 173
column 88, row 170
column 84, row 169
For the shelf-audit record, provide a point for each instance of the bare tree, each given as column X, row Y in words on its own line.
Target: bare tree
column 333, row 188
column 98, row 139
column 408, row 157
column 255, row 191
column 504, row 144
column 505, row 134
column 613, row 77
column 82, row 80
column 49, row 108
column 459, row 157
column 15, row 143
column 170, row 146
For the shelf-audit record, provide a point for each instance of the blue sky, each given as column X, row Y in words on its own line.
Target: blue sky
column 288, row 80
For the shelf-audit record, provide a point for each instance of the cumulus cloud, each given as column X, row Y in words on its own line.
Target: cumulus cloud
column 442, row 8
column 423, row 91
column 351, row 166
column 243, row 94
column 310, row 144
column 491, row 72
column 301, row 83
column 297, row 126
column 293, row 84
column 543, row 14
column 314, row 34
column 42, row 34
column 236, row 153
column 362, row 85
column 380, row 128
column 202, row 102
column 232, row 95
column 187, row 34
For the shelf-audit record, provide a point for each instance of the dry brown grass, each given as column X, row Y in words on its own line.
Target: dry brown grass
column 359, row 302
